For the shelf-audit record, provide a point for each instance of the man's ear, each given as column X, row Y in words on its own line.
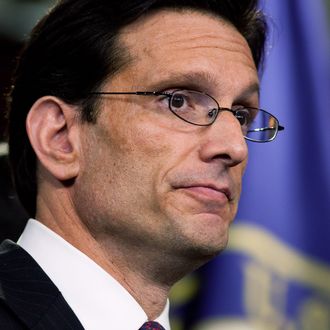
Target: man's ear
column 52, row 128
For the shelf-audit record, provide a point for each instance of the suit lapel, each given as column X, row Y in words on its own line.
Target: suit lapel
column 30, row 294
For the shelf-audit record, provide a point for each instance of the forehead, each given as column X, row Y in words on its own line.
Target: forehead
column 186, row 43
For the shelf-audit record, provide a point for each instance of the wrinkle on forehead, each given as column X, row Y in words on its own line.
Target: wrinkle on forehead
column 146, row 34
column 168, row 47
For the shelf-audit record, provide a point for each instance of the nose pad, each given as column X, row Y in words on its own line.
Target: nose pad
column 225, row 140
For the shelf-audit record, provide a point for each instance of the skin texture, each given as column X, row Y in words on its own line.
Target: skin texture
column 144, row 194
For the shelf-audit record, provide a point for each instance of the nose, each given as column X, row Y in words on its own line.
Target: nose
column 223, row 141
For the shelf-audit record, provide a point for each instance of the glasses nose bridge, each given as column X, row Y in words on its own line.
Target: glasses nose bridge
column 225, row 122
column 224, row 109
column 220, row 110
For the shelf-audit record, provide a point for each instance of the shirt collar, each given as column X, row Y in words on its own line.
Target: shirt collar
column 97, row 299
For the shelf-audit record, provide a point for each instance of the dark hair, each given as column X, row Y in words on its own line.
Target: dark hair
column 75, row 48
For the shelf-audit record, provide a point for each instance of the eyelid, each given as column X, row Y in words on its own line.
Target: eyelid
column 171, row 90
column 167, row 92
column 236, row 107
column 241, row 106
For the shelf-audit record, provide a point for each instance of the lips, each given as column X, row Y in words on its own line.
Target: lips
column 208, row 191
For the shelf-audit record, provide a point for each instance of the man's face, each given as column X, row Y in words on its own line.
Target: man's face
column 148, row 179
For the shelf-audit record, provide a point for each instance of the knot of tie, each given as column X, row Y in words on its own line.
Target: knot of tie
column 151, row 325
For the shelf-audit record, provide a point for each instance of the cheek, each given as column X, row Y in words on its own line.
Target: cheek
column 135, row 135
column 136, row 154
column 130, row 154
column 149, row 141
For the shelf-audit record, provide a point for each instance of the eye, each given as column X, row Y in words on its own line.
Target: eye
column 183, row 102
column 244, row 117
column 178, row 100
column 212, row 113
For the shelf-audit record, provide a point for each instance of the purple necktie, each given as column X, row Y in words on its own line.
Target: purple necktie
column 151, row 325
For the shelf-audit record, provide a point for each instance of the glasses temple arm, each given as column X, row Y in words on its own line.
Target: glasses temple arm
column 262, row 129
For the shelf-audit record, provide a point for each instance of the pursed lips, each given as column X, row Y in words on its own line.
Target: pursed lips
column 208, row 191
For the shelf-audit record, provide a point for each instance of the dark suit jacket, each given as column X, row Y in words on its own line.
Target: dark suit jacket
column 28, row 298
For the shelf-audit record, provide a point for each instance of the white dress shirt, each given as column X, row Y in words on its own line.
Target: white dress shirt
column 97, row 299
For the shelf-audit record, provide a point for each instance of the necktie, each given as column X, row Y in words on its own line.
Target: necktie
column 151, row 325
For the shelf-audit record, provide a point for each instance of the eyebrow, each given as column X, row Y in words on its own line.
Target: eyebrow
column 250, row 90
column 195, row 80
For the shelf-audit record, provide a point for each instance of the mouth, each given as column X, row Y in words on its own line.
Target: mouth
column 208, row 192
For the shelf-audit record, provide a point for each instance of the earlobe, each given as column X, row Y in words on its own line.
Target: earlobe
column 52, row 129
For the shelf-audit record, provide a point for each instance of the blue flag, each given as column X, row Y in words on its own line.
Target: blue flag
column 275, row 273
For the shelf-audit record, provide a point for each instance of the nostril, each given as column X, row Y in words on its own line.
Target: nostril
column 224, row 157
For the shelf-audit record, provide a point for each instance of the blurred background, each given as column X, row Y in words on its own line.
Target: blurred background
column 275, row 273
column 17, row 17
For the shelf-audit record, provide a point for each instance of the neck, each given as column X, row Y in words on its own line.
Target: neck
column 146, row 273
column 147, row 290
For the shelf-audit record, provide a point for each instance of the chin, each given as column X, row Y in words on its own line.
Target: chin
column 190, row 249
column 198, row 255
column 201, row 236
column 205, row 247
column 210, row 250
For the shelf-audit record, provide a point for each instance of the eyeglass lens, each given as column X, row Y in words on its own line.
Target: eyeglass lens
column 201, row 109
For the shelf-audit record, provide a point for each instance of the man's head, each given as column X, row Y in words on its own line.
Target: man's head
column 124, row 164
column 74, row 49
